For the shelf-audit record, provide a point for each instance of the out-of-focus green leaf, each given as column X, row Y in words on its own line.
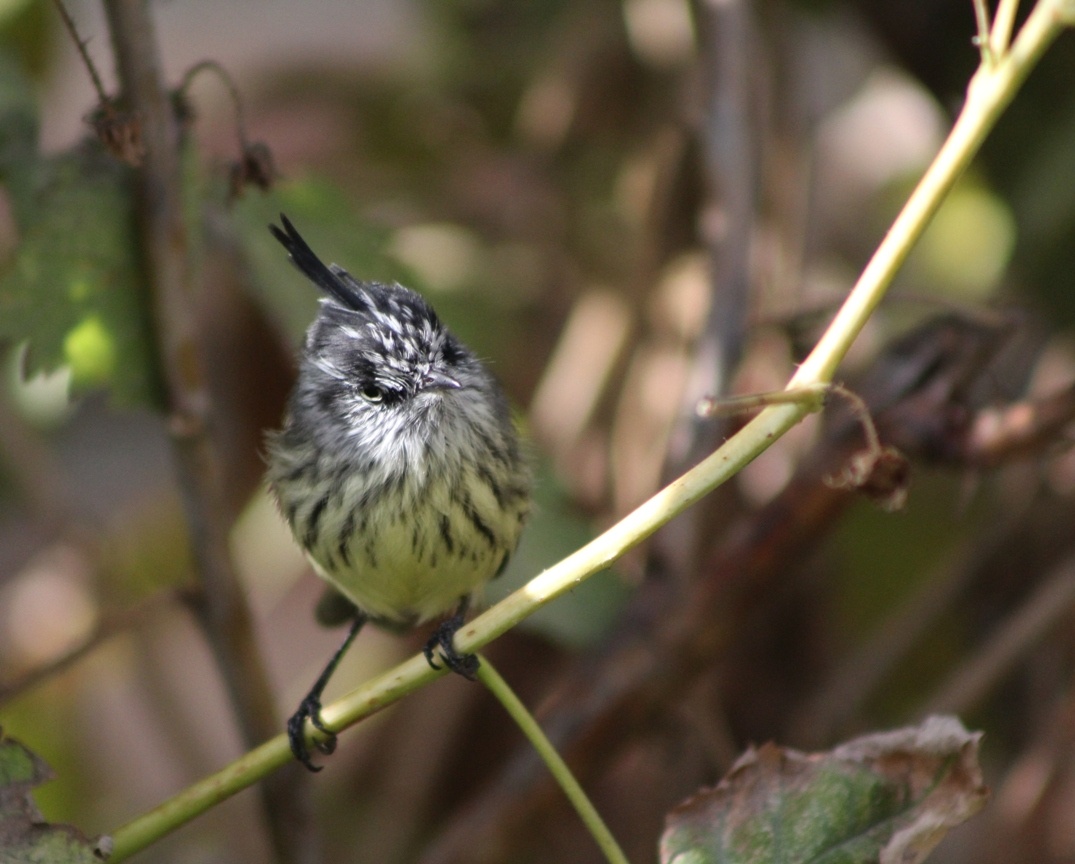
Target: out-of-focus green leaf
column 888, row 797
column 25, row 836
column 19, row 164
column 27, row 32
column 10, row 8
column 73, row 291
column 968, row 245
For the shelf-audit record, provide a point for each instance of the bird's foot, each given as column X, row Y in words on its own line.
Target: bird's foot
column 296, row 732
column 442, row 642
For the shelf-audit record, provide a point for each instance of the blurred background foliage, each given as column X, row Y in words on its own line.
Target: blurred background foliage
column 624, row 206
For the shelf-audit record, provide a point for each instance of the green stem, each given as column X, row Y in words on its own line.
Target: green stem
column 374, row 695
column 985, row 46
column 556, row 765
column 989, row 93
column 1003, row 21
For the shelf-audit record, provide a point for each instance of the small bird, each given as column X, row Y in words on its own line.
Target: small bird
column 398, row 467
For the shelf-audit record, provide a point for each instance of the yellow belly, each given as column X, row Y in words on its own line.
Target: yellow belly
column 438, row 546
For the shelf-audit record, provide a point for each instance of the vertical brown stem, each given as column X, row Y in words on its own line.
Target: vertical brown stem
column 166, row 243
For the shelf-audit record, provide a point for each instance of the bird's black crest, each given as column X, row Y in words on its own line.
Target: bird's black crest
column 324, row 277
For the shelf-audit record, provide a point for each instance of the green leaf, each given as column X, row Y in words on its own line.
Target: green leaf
column 25, row 836
column 18, row 133
column 74, row 289
column 888, row 797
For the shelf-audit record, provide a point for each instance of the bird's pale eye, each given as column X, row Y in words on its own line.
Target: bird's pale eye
column 372, row 393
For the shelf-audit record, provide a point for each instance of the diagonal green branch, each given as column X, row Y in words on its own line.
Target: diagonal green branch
column 990, row 91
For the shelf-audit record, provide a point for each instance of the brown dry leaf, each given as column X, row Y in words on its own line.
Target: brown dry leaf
column 254, row 168
column 120, row 132
column 882, row 475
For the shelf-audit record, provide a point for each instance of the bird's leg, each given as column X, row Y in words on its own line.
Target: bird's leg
column 310, row 707
column 443, row 638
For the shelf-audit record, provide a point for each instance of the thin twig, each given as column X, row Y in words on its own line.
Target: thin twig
column 814, row 396
column 229, row 85
column 1000, row 36
column 80, row 43
column 553, row 761
column 862, row 413
column 709, row 406
column 982, row 39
